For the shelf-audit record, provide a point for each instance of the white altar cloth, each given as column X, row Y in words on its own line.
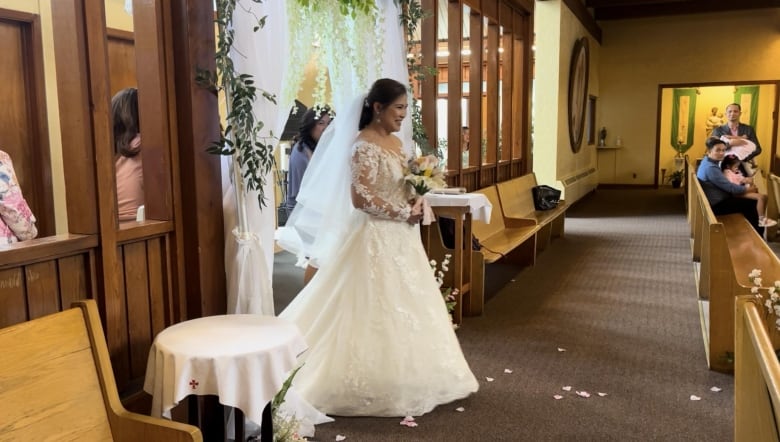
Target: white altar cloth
column 243, row 359
column 478, row 204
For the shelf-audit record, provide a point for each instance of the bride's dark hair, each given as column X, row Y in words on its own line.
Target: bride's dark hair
column 384, row 91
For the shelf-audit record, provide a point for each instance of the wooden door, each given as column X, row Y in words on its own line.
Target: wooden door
column 23, row 133
column 121, row 60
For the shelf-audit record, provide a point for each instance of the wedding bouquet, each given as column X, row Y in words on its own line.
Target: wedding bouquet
column 424, row 174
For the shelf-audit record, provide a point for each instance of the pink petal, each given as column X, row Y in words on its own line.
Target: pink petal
column 716, row 389
column 339, row 438
column 557, row 397
column 460, row 409
column 489, row 379
column 602, row 394
column 583, row 394
column 566, row 388
column 695, row 398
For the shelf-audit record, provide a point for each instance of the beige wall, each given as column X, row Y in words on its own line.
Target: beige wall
column 116, row 17
column 639, row 55
column 552, row 155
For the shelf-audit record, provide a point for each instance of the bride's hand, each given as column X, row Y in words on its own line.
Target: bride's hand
column 417, row 211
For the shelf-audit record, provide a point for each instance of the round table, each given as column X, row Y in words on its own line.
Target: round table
column 242, row 359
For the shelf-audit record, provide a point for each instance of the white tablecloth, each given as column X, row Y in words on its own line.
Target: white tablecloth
column 478, row 204
column 243, row 359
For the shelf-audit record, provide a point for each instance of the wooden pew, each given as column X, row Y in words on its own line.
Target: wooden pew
column 57, row 384
column 756, row 375
column 504, row 236
column 517, row 202
column 729, row 249
column 694, row 209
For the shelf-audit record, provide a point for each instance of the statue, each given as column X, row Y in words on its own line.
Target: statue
column 603, row 136
column 714, row 120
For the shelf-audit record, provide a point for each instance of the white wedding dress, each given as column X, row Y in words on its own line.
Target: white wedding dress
column 380, row 340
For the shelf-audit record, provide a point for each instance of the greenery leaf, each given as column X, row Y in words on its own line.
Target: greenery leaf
column 242, row 133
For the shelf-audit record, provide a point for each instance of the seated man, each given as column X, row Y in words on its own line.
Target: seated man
column 723, row 195
column 17, row 222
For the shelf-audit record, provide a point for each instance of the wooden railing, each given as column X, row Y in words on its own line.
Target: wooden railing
column 45, row 275
column 756, row 375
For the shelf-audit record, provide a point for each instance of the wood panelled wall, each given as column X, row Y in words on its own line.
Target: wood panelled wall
column 145, row 275
column 44, row 276
column 502, row 112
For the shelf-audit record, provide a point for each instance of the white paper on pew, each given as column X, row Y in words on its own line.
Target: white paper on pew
column 478, row 204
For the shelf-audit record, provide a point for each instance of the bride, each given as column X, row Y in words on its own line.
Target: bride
column 380, row 340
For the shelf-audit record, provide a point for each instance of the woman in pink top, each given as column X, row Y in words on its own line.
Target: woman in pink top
column 730, row 167
column 17, row 222
column 127, row 150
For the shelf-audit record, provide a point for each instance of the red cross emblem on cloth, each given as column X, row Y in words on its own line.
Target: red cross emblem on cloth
column 194, row 384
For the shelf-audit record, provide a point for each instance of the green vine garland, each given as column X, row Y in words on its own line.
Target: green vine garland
column 411, row 14
column 241, row 136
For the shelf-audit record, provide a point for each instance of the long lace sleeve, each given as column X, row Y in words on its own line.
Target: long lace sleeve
column 366, row 191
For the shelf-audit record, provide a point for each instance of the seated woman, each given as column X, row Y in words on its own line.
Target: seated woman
column 724, row 196
column 127, row 154
column 17, row 222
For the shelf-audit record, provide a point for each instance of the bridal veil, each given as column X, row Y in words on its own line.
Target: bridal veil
column 318, row 224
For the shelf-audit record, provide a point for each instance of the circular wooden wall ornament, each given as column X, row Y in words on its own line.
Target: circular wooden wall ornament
column 578, row 92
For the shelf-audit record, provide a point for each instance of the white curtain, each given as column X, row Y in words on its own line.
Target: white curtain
column 249, row 259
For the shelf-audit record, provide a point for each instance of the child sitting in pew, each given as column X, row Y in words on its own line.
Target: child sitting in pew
column 730, row 166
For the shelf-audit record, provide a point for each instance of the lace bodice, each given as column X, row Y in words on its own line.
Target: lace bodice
column 378, row 186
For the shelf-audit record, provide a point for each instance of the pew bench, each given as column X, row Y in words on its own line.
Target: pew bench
column 504, row 236
column 517, row 201
column 756, row 374
column 56, row 383
column 728, row 248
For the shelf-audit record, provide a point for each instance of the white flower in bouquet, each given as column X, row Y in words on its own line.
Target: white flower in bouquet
column 423, row 174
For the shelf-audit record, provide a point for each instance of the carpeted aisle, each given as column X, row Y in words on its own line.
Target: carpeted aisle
column 618, row 295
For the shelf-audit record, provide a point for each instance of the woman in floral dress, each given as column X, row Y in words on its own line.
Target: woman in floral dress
column 17, row 222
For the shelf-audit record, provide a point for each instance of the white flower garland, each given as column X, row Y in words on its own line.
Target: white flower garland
column 334, row 39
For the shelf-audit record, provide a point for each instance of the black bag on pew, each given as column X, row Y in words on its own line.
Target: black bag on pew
column 545, row 197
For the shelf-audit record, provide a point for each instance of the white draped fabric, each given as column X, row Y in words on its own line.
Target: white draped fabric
column 249, row 253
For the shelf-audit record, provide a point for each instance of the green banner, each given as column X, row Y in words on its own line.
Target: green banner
column 683, row 113
column 747, row 97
